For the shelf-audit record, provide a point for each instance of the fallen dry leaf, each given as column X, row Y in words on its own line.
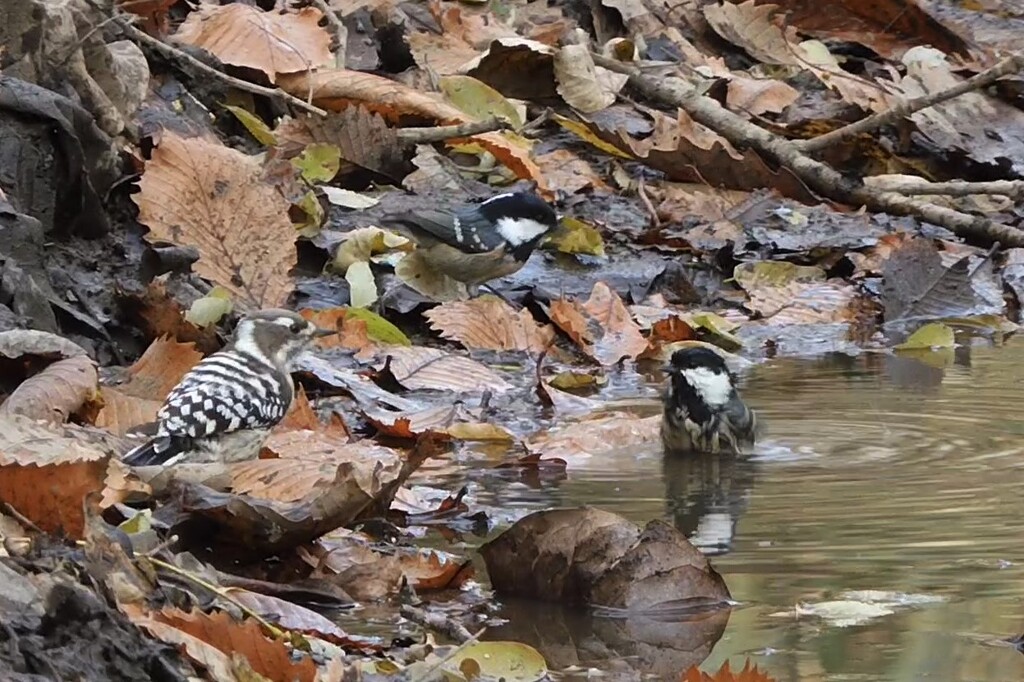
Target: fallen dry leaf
column 290, row 616
column 158, row 314
column 429, row 569
column 582, row 85
column 749, row 673
column 595, row 436
column 602, row 327
column 56, row 393
column 489, row 323
column 200, row 193
column 416, row 368
column 271, row 42
column 454, row 420
column 785, row 293
column 46, row 475
column 347, row 559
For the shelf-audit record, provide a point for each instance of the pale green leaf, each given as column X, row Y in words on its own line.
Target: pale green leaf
column 362, row 243
column 509, row 661
column 575, row 236
column 254, row 124
column 362, row 286
column 479, row 100
column 313, row 215
column 346, row 198
column 318, row 162
column 931, row 335
column 379, row 329
column 210, row 308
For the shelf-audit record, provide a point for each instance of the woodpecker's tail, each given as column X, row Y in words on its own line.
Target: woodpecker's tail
column 158, row 450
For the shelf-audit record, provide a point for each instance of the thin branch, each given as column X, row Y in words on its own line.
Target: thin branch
column 905, row 108
column 819, row 177
column 437, row 621
column 173, row 52
column 220, row 592
column 955, row 188
column 411, row 136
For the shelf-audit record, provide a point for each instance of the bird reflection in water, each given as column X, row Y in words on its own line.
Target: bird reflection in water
column 706, row 494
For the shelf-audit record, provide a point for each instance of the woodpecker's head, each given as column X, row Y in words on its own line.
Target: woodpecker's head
column 700, row 374
column 276, row 335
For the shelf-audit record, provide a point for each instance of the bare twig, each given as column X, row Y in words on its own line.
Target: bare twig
column 438, row 621
column 646, row 200
column 441, row 133
column 818, row 176
column 1008, row 66
column 160, row 46
column 340, row 31
column 956, row 188
column 26, row 522
column 220, row 592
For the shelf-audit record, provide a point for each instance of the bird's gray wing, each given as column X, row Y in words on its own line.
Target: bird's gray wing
column 466, row 229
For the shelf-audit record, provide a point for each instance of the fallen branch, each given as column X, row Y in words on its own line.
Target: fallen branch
column 173, row 52
column 439, row 622
column 956, row 188
column 818, row 176
column 412, row 136
column 905, row 108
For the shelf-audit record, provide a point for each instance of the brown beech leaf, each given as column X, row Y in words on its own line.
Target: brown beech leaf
column 56, row 392
column 46, row 475
column 455, row 420
column 151, row 378
column 785, row 293
column 415, row 367
column 348, row 560
column 602, row 327
column 489, row 323
column 216, row 662
column 290, row 616
column 200, row 193
column 158, row 314
column 594, row 436
column 429, row 569
column 588, row 556
column 271, row 42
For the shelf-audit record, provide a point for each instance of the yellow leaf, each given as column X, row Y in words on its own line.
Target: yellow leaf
column 254, row 124
column 319, row 162
column 210, row 308
column 362, row 286
column 379, row 329
column 932, row 335
column 583, row 132
column 575, row 236
column 479, row 100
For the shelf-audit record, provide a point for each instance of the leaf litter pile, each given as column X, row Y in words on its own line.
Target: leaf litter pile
column 761, row 179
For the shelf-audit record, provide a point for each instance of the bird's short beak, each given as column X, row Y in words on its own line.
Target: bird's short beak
column 320, row 332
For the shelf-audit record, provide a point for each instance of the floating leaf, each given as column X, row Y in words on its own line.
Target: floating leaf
column 510, row 661
column 932, row 335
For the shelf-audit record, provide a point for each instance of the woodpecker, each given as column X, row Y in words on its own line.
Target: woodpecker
column 702, row 412
column 225, row 406
column 478, row 242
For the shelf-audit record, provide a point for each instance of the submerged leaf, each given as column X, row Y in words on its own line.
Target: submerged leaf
column 932, row 335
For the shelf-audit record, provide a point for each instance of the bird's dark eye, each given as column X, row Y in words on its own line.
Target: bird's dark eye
column 297, row 327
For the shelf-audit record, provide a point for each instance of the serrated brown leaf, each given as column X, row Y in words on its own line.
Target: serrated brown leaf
column 363, row 138
column 455, row 420
column 199, row 193
column 749, row 673
column 602, row 327
column 489, row 323
column 46, row 475
column 271, row 42
column 158, row 314
column 55, row 393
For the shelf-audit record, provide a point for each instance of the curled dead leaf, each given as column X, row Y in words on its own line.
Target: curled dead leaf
column 55, row 393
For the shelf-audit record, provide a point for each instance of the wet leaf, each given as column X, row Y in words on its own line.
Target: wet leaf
column 241, row 228
column 490, row 323
column 290, row 616
column 749, row 673
column 254, row 124
column 932, row 335
column 592, row 437
column 602, row 327
column 271, row 42
column 55, row 393
column 575, row 236
column 479, row 100
column 787, row 294
column 511, row 661
column 318, row 162
column 587, row 556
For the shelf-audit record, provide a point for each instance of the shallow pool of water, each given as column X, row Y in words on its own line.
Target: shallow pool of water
column 876, row 473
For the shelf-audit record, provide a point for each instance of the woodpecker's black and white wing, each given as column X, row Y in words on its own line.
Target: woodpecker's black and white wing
column 225, row 393
column 467, row 229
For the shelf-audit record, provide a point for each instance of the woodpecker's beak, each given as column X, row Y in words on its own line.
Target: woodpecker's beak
column 320, row 332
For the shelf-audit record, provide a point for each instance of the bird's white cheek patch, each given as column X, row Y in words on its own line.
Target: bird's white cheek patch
column 713, row 387
column 518, row 231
